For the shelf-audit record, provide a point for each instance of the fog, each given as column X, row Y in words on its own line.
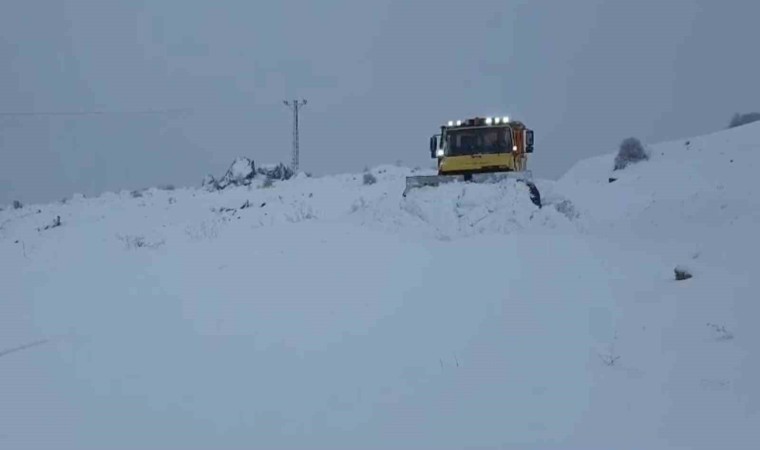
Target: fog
column 380, row 77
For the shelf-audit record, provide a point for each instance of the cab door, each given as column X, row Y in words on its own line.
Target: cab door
column 517, row 141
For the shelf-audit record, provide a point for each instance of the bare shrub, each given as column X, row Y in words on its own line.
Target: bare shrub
column 744, row 119
column 301, row 213
column 132, row 242
column 369, row 179
column 55, row 224
column 721, row 333
column 566, row 208
column 204, row 231
column 631, row 151
column 610, row 357
column 358, row 205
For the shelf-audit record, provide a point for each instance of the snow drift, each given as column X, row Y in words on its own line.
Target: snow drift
column 326, row 313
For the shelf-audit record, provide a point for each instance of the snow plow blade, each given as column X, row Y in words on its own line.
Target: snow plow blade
column 416, row 182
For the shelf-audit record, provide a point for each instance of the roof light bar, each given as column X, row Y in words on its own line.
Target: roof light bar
column 475, row 121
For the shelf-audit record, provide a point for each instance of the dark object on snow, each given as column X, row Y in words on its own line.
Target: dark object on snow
column 247, row 204
column 263, row 205
column 611, row 180
column 682, row 273
column 369, row 178
column 631, row 151
column 535, row 196
column 17, row 204
column 277, row 172
column 56, row 223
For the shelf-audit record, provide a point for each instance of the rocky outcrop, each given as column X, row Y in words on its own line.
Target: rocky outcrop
column 276, row 171
column 243, row 171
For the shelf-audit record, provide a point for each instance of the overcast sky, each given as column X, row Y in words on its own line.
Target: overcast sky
column 380, row 76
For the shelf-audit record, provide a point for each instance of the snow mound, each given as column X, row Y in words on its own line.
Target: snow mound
column 687, row 190
column 457, row 210
column 328, row 313
column 241, row 173
column 242, row 169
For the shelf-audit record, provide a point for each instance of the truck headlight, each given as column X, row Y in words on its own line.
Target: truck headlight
column 439, row 153
column 489, row 120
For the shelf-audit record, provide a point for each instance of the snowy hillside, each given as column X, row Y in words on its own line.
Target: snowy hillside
column 330, row 313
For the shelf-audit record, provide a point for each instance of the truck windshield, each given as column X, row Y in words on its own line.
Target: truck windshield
column 478, row 141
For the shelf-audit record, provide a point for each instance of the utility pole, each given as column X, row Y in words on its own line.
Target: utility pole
column 295, row 105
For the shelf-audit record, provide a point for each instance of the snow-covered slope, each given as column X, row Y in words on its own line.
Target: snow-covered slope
column 326, row 313
column 689, row 189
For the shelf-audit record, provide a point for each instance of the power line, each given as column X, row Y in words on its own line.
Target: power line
column 295, row 105
column 92, row 113
column 8, row 351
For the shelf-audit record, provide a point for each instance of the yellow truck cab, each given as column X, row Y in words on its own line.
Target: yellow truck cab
column 482, row 145
column 480, row 150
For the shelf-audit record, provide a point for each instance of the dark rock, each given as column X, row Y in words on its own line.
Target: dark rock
column 682, row 273
column 240, row 173
column 276, row 172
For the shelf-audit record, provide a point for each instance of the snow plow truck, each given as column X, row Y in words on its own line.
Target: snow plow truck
column 480, row 150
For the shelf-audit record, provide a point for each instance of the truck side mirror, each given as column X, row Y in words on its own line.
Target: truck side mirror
column 433, row 146
column 528, row 141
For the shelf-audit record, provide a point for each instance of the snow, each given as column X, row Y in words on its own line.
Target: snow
column 241, row 168
column 325, row 313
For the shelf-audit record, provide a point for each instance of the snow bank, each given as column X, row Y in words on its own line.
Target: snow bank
column 688, row 190
column 326, row 313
